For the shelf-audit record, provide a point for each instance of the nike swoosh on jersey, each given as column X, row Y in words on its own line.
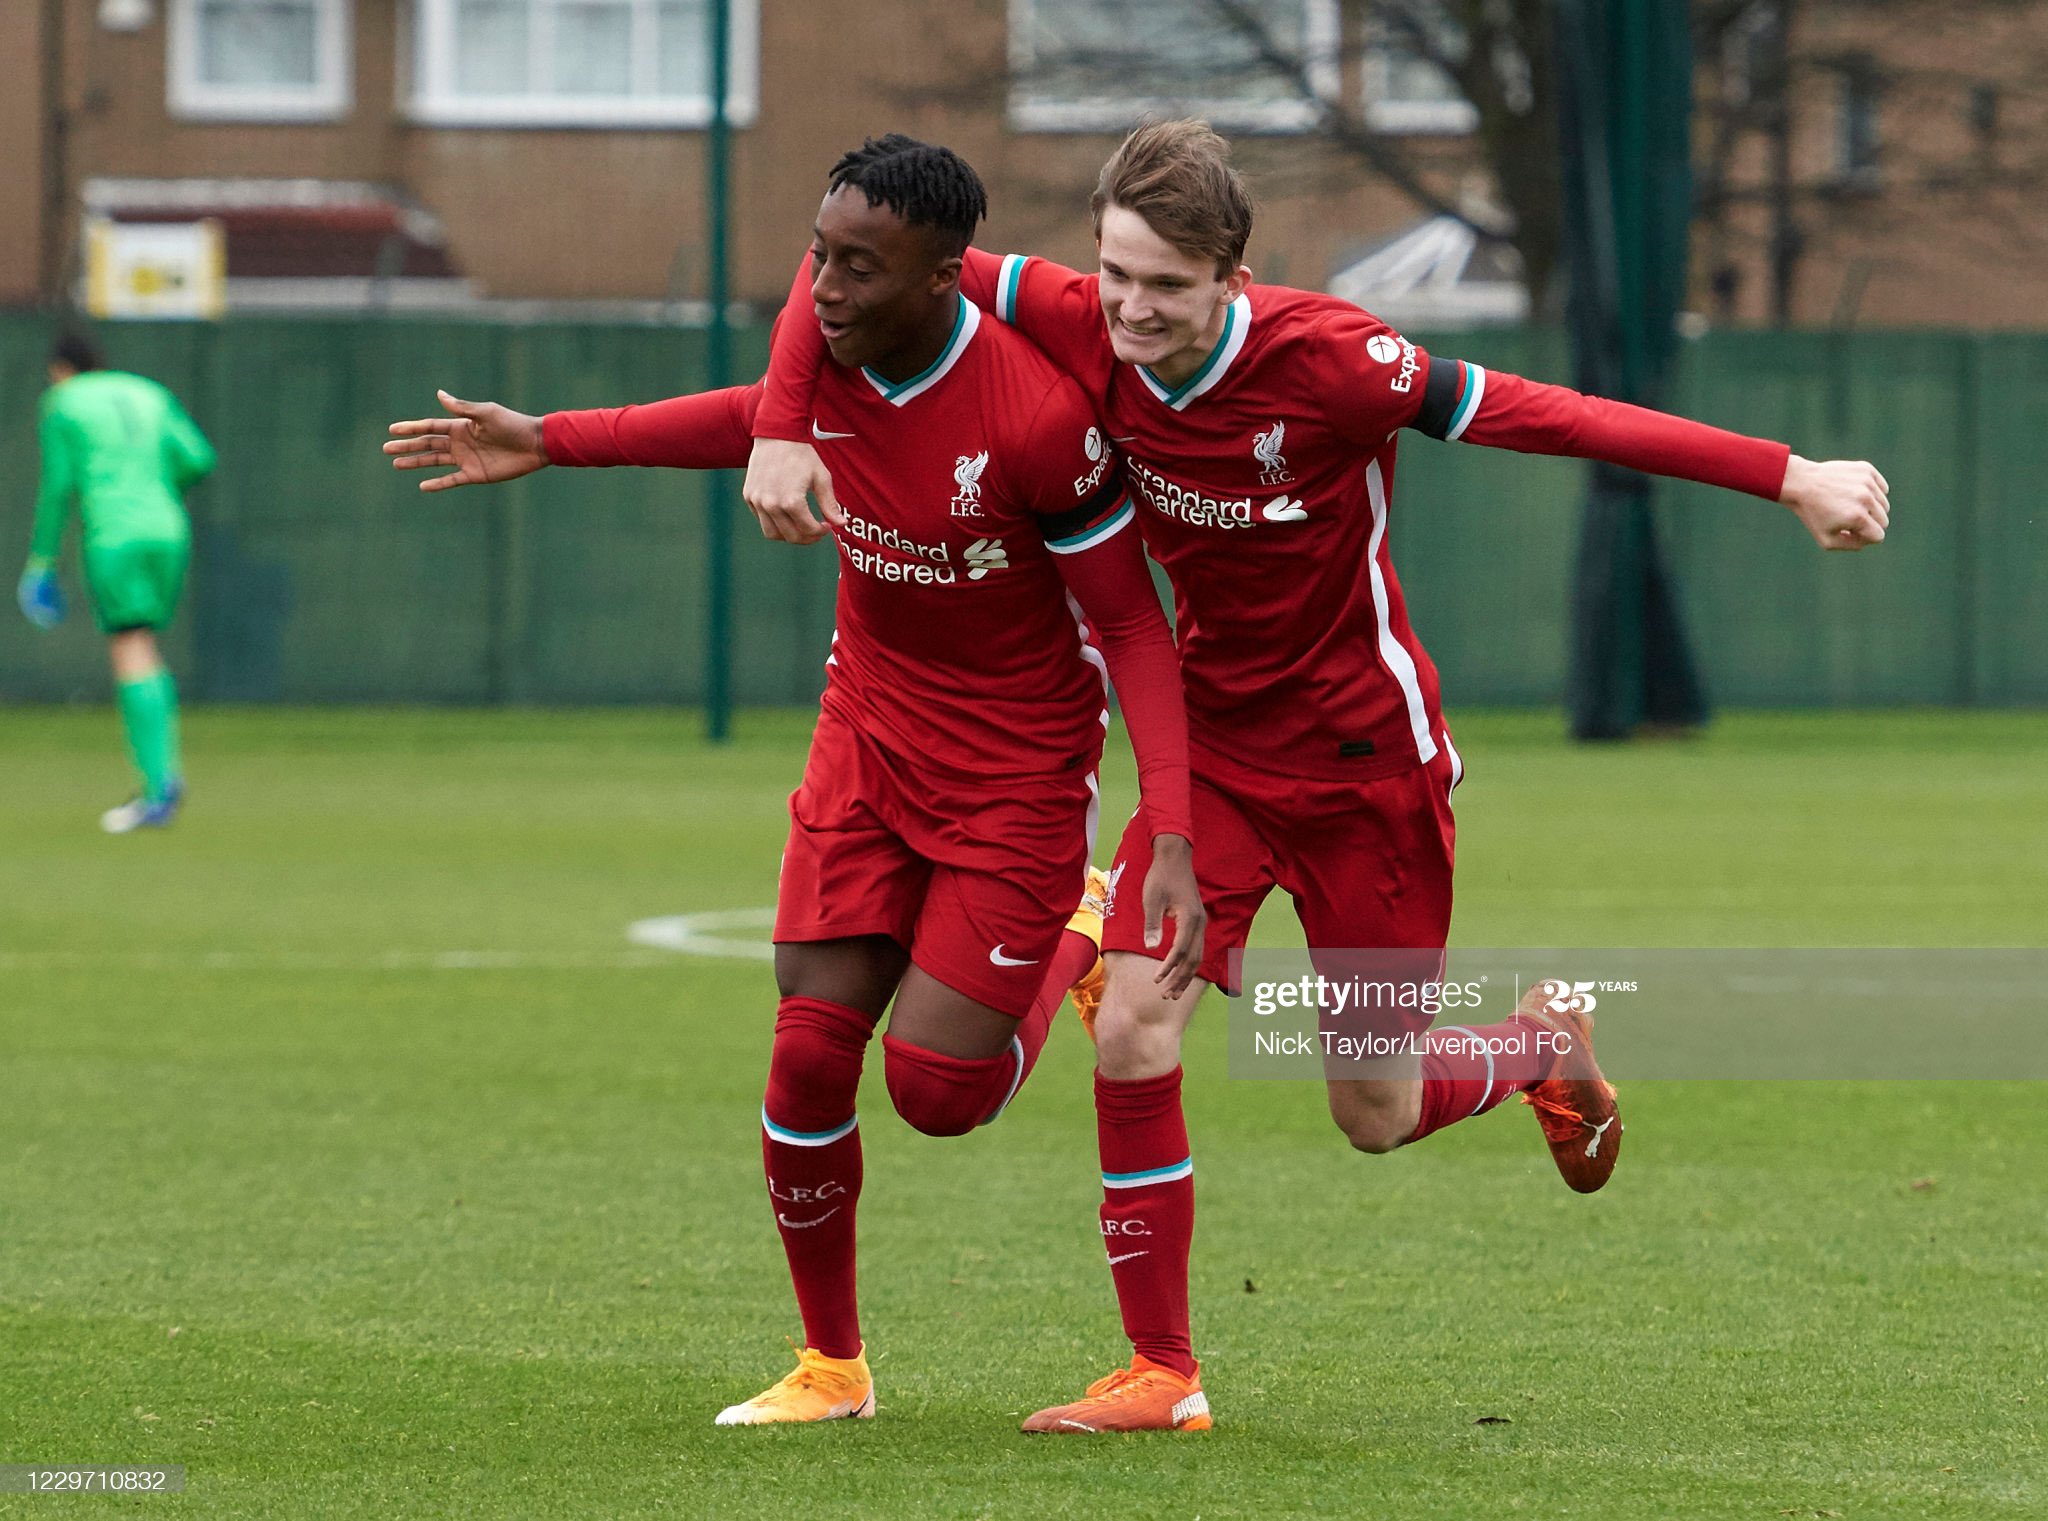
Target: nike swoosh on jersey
column 997, row 958
column 822, row 434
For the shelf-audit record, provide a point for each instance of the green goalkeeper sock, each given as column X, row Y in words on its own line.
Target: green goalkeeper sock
column 149, row 716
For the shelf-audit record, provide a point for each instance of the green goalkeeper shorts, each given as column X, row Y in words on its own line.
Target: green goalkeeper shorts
column 135, row 584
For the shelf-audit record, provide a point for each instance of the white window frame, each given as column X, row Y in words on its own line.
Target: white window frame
column 329, row 98
column 433, row 101
column 1407, row 118
column 1322, row 29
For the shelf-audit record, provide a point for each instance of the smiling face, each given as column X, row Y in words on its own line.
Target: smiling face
column 881, row 287
column 1164, row 307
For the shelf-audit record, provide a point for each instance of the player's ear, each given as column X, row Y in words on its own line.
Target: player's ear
column 1235, row 282
column 946, row 274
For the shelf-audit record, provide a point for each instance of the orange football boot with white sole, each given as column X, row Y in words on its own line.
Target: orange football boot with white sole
column 820, row 1389
column 1142, row 1397
column 1574, row 1104
column 1087, row 920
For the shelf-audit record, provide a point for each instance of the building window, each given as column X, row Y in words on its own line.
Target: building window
column 259, row 60
column 578, row 63
column 1100, row 65
column 1856, row 132
column 1406, row 88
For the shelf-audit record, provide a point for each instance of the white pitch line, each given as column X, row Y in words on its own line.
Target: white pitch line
column 662, row 940
column 696, row 934
column 293, row 961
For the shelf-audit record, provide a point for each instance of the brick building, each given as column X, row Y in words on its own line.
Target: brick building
column 552, row 149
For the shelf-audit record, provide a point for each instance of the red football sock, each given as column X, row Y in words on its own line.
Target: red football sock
column 1070, row 962
column 1467, row 1069
column 1148, row 1211
column 810, row 1147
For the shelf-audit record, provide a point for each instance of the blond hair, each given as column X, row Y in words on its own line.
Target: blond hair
column 1177, row 176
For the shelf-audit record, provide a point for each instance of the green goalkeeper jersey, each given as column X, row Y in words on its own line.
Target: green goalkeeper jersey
column 124, row 450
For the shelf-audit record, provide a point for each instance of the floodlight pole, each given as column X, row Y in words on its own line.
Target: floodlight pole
column 718, row 366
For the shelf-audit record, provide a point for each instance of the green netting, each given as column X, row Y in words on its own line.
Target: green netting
column 321, row 576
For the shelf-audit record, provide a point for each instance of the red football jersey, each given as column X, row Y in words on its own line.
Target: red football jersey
column 955, row 637
column 1265, row 482
column 957, row 644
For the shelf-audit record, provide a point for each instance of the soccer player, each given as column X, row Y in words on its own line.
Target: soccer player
column 124, row 451
column 941, row 833
column 1259, row 426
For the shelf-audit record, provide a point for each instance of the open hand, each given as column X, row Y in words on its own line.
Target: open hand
column 481, row 440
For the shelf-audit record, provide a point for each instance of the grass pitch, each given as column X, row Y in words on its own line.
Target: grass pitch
column 351, row 1157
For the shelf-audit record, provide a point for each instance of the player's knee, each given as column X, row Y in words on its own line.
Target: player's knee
column 1376, row 1125
column 1373, row 1136
column 943, row 1095
column 1138, row 1031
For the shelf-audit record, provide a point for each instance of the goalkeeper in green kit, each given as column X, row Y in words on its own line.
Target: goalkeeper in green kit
column 123, row 449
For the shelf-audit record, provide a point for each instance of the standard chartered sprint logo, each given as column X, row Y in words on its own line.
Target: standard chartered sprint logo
column 927, row 565
column 1193, row 507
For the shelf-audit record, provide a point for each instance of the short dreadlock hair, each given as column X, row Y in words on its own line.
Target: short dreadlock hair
column 927, row 186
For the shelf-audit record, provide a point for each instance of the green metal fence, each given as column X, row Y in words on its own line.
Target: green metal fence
column 321, row 576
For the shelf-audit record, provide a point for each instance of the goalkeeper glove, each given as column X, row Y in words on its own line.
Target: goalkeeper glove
column 41, row 599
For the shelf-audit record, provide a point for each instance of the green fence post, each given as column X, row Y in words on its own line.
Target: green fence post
column 719, row 493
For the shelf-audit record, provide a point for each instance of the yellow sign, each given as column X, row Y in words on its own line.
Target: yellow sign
column 155, row 269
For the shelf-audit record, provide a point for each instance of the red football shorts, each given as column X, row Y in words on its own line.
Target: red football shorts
column 975, row 880
column 1367, row 863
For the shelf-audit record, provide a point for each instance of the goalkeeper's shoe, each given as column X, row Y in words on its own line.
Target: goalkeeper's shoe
column 1142, row 1397
column 820, row 1389
column 1087, row 920
column 1574, row 1104
column 144, row 813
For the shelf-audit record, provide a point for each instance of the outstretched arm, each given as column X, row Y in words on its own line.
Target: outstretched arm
column 1844, row 504
column 484, row 443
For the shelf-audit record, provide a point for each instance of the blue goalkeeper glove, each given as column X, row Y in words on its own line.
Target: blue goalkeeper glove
column 41, row 599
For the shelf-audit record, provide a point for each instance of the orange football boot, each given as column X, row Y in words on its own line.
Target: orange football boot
column 1142, row 1397
column 820, row 1389
column 1574, row 1104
